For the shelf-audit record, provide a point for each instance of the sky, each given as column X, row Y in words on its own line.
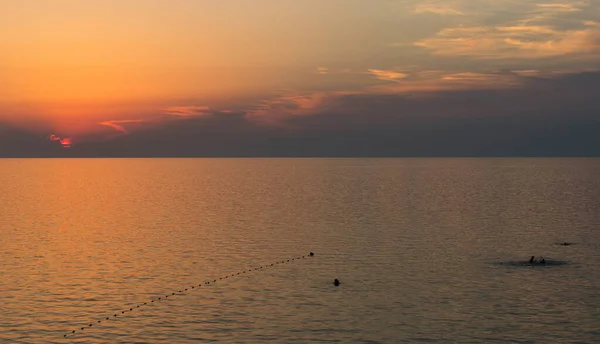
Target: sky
column 299, row 78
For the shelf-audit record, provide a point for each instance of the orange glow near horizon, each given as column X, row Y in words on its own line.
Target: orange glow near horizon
column 73, row 64
column 78, row 68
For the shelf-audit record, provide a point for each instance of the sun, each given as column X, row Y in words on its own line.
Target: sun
column 65, row 142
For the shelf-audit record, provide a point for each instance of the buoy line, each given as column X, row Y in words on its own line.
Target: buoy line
column 179, row 292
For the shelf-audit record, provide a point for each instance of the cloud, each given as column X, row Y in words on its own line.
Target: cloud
column 456, row 113
column 483, row 80
column 170, row 114
column 550, row 11
column 527, row 11
column 512, row 42
column 549, row 116
column 387, row 75
column 188, row 111
column 281, row 110
column 432, row 94
column 535, row 73
column 118, row 124
column 529, row 31
column 428, row 83
column 287, row 110
column 274, row 111
column 436, row 7
column 322, row 70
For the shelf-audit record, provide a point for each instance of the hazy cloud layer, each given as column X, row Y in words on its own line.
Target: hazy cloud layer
column 541, row 116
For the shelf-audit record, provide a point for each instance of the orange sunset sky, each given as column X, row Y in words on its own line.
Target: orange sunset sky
column 98, row 71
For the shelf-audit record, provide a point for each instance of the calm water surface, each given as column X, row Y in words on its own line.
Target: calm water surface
column 417, row 244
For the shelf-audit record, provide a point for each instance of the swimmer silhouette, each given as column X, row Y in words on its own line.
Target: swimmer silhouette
column 532, row 259
column 542, row 260
column 336, row 282
column 311, row 254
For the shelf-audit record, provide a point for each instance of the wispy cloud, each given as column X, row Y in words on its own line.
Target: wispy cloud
column 436, row 7
column 276, row 110
column 525, row 10
column 169, row 114
column 118, row 124
column 547, row 12
column 188, row 111
column 512, row 42
column 537, row 30
column 548, row 74
column 322, row 70
column 429, row 83
column 387, row 75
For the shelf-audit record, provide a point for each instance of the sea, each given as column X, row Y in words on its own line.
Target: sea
column 219, row 250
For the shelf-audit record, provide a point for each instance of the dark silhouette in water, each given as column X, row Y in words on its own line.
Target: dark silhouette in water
column 566, row 243
column 311, row 254
column 336, row 282
column 533, row 262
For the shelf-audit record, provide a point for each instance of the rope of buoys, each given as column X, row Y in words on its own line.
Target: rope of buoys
column 182, row 291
